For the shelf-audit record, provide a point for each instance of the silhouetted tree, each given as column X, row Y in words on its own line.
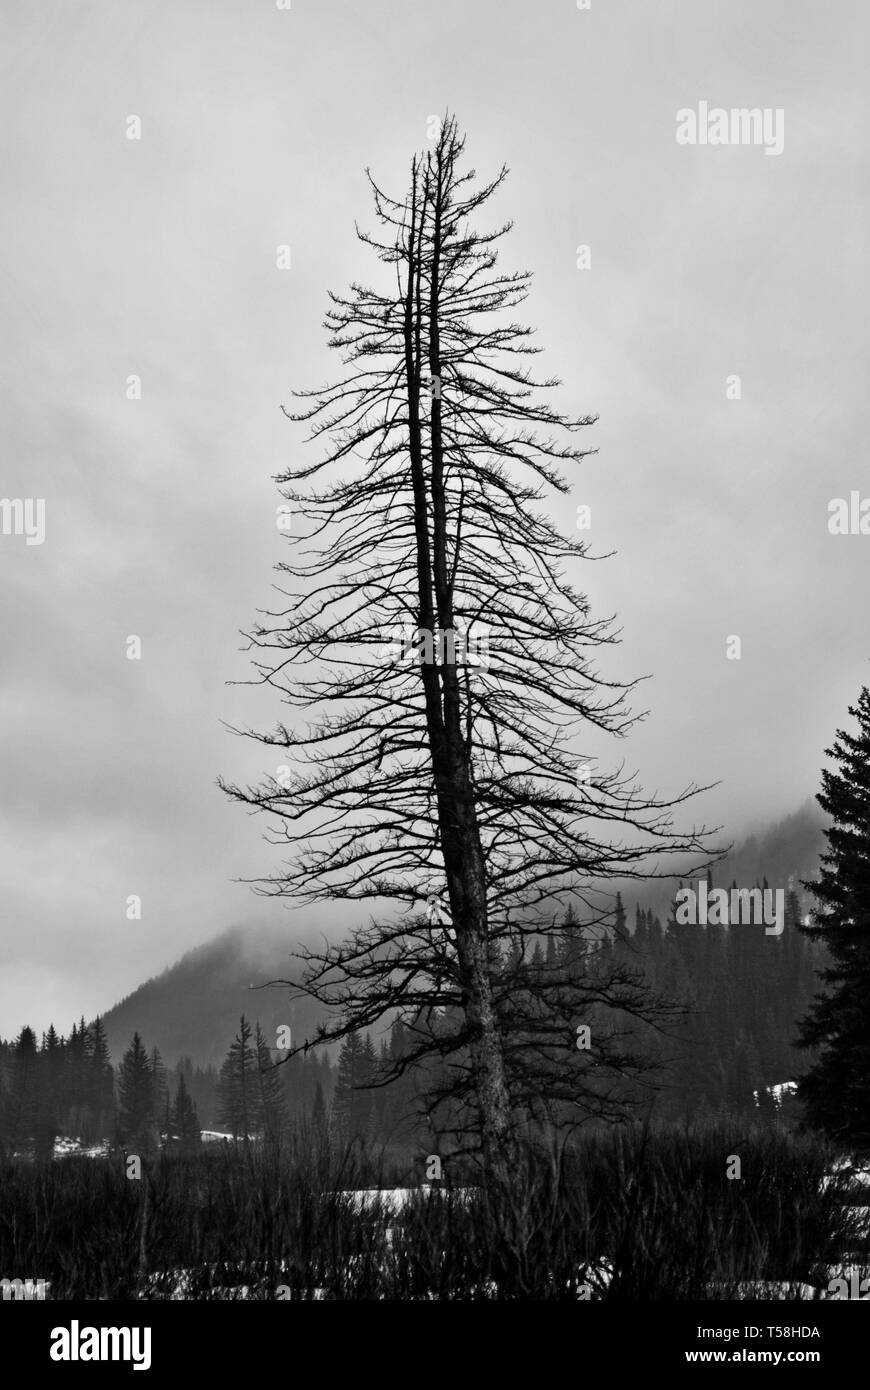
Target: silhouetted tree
column 352, row 1101
column 184, row 1123
column 836, row 1089
column 238, row 1086
column 452, row 662
column 25, row 1094
column 161, row 1102
column 270, row 1092
column 100, row 1081
column 319, row 1119
column 137, row 1122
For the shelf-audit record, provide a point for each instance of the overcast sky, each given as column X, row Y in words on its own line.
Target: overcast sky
column 157, row 257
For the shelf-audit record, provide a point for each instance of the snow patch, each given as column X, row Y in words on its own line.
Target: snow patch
column 779, row 1092
column 395, row 1199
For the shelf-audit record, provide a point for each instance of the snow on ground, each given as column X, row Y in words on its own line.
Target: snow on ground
column 594, row 1277
column 597, row 1276
column 394, row 1199
column 780, row 1091
column 858, row 1178
column 179, row 1284
column 64, row 1147
column 858, row 1172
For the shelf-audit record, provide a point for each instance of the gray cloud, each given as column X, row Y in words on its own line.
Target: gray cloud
column 158, row 258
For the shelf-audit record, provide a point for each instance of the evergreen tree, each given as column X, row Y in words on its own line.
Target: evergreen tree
column 202, row 1087
column 238, row 1087
column 573, row 944
column 53, row 1063
column 184, row 1123
column 75, row 1081
column 619, row 917
column 367, row 1100
column 399, row 1114
column 25, row 1099
column 136, row 1118
column 836, row 1089
column 318, row 1112
column 162, row 1112
column 351, row 1105
column 100, row 1081
column 271, row 1104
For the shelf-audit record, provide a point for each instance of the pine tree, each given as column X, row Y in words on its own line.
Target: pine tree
column 100, row 1081
column 271, row 1104
column 136, row 1118
column 53, row 1062
column 202, row 1087
column 238, row 1099
column 619, row 917
column 836, row 1089
column 399, row 1114
column 351, row 1105
column 573, row 943
column 25, row 1101
column 488, row 763
column 75, row 1080
column 162, row 1110
column 318, row 1112
column 367, row 1098
column 184, row 1123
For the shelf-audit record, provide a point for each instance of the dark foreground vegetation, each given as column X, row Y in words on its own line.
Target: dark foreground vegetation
column 623, row 1214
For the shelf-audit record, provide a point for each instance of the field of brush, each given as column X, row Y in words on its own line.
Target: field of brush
column 626, row 1214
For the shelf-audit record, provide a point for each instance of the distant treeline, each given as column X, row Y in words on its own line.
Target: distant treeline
column 68, row 1086
column 743, row 992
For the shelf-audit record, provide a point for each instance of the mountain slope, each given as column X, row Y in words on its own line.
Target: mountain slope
column 192, row 1008
column 786, row 848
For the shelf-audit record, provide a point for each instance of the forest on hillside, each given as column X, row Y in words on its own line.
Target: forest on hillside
column 738, row 990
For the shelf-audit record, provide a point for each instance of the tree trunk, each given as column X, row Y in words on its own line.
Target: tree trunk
column 460, row 834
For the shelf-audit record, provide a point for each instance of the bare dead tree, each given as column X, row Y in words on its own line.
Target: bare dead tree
column 444, row 665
